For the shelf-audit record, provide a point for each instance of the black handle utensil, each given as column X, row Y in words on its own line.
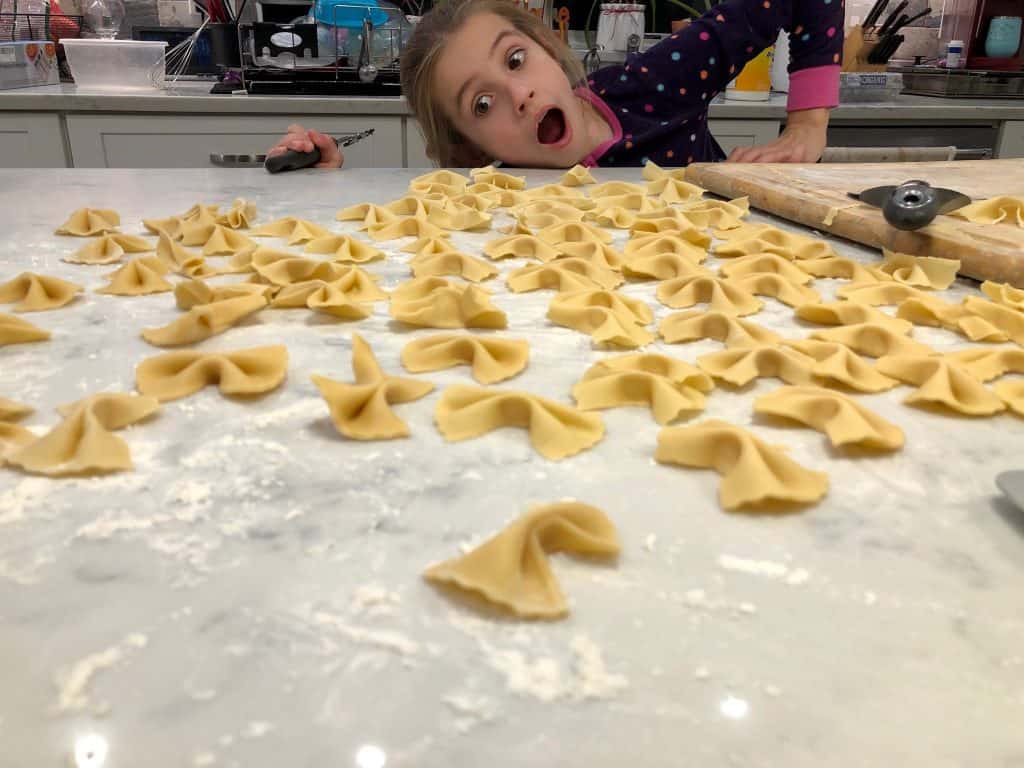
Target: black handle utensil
column 294, row 161
column 912, row 204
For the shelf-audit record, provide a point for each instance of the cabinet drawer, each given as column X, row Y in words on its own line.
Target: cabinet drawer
column 31, row 140
column 731, row 134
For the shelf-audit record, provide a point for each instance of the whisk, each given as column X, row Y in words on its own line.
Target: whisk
column 176, row 59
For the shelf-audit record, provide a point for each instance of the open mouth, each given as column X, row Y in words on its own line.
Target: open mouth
column 552, row 128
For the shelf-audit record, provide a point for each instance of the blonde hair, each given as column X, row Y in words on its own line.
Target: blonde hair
column 445, row 145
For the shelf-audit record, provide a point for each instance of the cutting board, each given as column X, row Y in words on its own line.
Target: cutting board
column 815, row 194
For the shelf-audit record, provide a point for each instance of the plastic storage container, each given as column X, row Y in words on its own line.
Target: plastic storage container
column 118, row 65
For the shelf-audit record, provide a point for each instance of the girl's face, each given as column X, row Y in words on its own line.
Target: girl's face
column 509, row 96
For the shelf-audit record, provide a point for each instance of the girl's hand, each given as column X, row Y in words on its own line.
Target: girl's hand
column 802, row 141
column 303, row 140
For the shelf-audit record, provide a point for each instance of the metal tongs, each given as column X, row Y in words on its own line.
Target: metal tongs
column 912, row 204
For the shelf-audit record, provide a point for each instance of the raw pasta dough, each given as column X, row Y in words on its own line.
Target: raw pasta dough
column 919, row 271
column 362, row 411
column 30, row 292
column 492, row 359
column 986, row 364
column 511, row 569
column 836, row 267
column 1005, row 319
column 694, row 325
column 202, row 322
column 344, row 248
column 720, row 295
column 879, row 294
column 995, row 210
column 240, row 215
column 932, row 311
column 573, row 232
column 294, row 229
column 608, row 317
column 174, row 375
column 84, row 443
column 694, row 249
column 776, row 286
column 662, row 266
column 760, row 263
column 183, row 261
column 107, row 249
column 1004, row 294
column 741, row 365
column 12, row 436
column 295, row 269
column 753, row 472
column 405, row 227
column 520, row 247
column 369, row 214
column 760, row 238
column 716, row 213
column 674, row 190
column 195, row 292
column 139, row 277
column 452, row 263
column 14, row 330
column 940, row 381
column 598, row 254
column 1011, row 393
column 850, row 313
column 835, row 362
column 491, row 175
column 331, row 298
column 670, row 387
column 438, row 303
column 577, row 176
column 873, row 340
column 86, row 222
column 562, row 275
column 557, row 431
column 845, row 421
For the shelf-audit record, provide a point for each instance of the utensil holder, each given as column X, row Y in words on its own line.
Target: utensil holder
column 224, row 45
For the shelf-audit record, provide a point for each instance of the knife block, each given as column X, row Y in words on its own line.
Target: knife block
column 856, row 48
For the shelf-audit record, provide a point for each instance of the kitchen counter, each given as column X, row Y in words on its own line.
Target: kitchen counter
column 250, row 595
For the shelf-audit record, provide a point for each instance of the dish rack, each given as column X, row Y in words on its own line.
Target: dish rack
column 52, row 25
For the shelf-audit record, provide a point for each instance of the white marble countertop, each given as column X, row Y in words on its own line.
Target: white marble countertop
column 250, row 595
column 195, row 97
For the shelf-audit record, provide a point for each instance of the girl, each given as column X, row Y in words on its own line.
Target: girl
column 488, row 82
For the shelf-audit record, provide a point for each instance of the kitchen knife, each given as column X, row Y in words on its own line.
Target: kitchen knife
column 892, row 18
column 912, row 204
column 874, row 13
column 293, row 161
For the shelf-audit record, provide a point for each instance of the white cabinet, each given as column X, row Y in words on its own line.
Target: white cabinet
column 415, row 147
column 186, row 141
column 743, row 133
column 31, row 140
column 1011, row 140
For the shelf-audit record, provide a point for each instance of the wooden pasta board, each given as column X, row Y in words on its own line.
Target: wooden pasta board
column 813, row 194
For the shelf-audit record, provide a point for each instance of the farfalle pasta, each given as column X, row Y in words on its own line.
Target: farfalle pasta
column 344, row 248
column 1007, row 320
column 754, row 474
column 599, row 254
column 762, row 263
column 452, row 263
column 995, row 210
column 438, row 303
column 608, row 317
column 662, row 266
column 14, row 330
column 719, row 214
column 694, row 325
column 511, row 570
column 879, row 294
column 369, row 214
column 86, row 222
column 674, row 190
column 139, row 277
column 693, row 245
column 109, row 248
column 986, row 364
column 206, row 320
column 919, row 271
column 30, row 292
column 1012, row 394
column 491, row 175
column 1002, row 293
column 362, row 410
column 836, row 267
column 719, row 295
column 940, row 381
column 850, row 313
column 330, row 298
column 491, row 359
column 932, row 311
column 247, row 372
column 295, row 269
column 520, row 247
column 183, row 261
column 739, row 366
column 573, row 232
column 577, row 176
column 837, row 363
column 752, row 239
column 404, row 227
column 455, row 216
column 562, row 275
column 873, row 340
column 292, row 229
column 776, row 286
column 240, row 215
column 556, row 431
column 194, row 292
column 845, row 421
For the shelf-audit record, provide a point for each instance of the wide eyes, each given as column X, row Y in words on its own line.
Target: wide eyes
column 482, row 105
column 517, row 58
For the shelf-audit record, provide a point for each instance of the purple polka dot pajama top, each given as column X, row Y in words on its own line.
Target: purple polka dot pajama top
column 657, row 102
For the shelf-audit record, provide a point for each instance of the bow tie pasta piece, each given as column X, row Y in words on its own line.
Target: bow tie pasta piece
column 404, row 227
column 673, row 190
column 608, row 317
column 995, row 210
column 534, row 207
column 330, row 298
column 14, row 330
column 577, row 176
column 670, row 387
column 241, row 215
column 837, row 362
column 344, row 248
column 753, row 473
column 844, row 421
column 879, row 294
column 766, row 239
column 86, row 222
column 683, row 327
column 662, row 266
column 933, row 311
column 11, row 410
column 940, row 381
column 613, row 216
column 427, row 246
column 30, row 292
column 520, row 247
column 778, row 287
column 920, row 271
column 453, row 216
column 552, row 192
column 634, row 202
column 434, row 302
column 720, row 295
column 873, row 340
column 616, row 188
column 194, row 292
column 410, row 205
column 494, row 177
column 295, row 269
column 84, row 443
column 491, row 359
column 741, row 365
column 765, row 263
column 227, row 242
column 562, row 275
column 511, row 570
column 1005, row 319
column 175, row 375
column 139, row 277
column 170, row 227
column 692, row 244
column 653, row 171
column 987, row 364
column 836, row 267
column 573, row 232
column 13, row 437
column 185, row 262
column 368, row 214
column 597, row 254
column 669, row 222
column 721, row 215
column 107, row 249
column 452, row 263
column 850, row 313
column 447, row 182
column 556, row 431
column 362, row 411
column 202, row 322
column 1011, row 393
column 496, row 196
column 296, row 230
column 1002, row 293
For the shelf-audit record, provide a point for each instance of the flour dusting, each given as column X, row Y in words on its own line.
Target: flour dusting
column 73, row 683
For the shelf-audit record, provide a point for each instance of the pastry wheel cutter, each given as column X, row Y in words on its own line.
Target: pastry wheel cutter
column 912, row 204
column 286, row 161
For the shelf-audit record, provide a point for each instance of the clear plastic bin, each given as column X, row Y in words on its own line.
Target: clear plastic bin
column 121, row 65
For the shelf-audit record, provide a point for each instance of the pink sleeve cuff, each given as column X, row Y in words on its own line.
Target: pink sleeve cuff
column 813, row 88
